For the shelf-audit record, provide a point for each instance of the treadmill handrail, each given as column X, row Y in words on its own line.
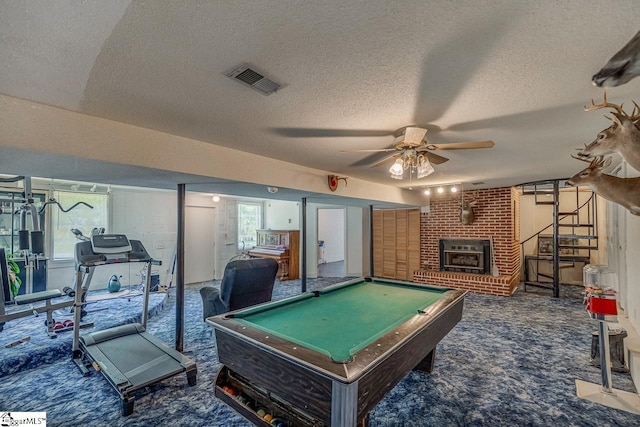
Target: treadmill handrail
column 86, row 257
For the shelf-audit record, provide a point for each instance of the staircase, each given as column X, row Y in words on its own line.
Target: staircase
column 567, row 242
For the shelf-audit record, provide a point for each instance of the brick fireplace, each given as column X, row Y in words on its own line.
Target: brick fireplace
column 496, row 218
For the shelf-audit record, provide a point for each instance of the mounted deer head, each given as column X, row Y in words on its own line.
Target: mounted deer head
column 622, row 137
column 623, row 191
column 467, row 214
column 622, row 67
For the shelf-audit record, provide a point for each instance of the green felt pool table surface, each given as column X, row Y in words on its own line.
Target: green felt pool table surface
column 342, row 319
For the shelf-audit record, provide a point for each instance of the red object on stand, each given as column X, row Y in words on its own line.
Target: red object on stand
column 605, row 306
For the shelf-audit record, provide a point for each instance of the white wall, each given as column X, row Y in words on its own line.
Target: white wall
column 281, row 215
column 142, row 214
column 331, row 229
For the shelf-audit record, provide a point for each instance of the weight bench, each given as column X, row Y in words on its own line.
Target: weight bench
column 29, row 299
column 34, row 297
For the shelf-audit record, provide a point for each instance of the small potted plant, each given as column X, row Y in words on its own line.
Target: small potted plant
column 14, row 281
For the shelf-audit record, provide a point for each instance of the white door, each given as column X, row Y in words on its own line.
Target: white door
column 199, row 244
column 331, row 242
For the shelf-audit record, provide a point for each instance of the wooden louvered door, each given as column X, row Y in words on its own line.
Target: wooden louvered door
column 396, row 243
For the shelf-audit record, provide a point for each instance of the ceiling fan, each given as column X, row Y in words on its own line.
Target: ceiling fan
column 413, row 138
column 413, row 152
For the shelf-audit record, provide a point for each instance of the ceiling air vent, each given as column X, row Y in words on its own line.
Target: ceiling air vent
column 247, row 75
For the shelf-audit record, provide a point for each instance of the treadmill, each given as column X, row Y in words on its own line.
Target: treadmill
column 129, row 357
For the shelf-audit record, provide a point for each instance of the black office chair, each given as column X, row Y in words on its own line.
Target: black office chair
column 245, row 283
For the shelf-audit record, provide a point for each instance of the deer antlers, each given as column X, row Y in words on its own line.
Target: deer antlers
column 598, row 162
column 635, row 115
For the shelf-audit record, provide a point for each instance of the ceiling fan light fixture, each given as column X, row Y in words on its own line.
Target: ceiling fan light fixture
column 397, row 169
column 424, row 168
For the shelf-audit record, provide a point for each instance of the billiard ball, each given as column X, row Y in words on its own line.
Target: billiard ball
column 261, row 413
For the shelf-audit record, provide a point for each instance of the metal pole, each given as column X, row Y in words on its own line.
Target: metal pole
column 371, row 272
column 605, row 356
column 556, row 254
column 304, row 246
column 180, row 269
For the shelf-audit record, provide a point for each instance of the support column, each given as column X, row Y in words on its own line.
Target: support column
column 304, row 245
column 180, row 269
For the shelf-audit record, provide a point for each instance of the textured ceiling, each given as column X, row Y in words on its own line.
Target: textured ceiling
column 515, row 72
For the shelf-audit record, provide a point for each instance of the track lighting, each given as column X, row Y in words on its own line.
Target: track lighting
column 443, row 189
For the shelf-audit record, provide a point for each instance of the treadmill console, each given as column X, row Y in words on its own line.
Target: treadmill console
column 110, row 244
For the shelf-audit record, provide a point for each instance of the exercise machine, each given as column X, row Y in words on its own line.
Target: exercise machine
column 31, row 250
column 30, row 299
column 41, row 302
column 128, row 356
column 36, row 302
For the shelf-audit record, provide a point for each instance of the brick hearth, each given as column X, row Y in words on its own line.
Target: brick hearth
column 496, row 216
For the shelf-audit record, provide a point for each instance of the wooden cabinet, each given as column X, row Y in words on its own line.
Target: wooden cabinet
column 396, row 243
column 284, row 247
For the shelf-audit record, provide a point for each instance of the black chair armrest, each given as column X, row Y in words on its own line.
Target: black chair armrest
column 211, row 302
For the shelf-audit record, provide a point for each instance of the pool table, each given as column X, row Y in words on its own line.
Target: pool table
column 331, row 355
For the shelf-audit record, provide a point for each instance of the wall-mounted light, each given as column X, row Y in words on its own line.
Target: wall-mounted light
column 75, row 187
column 216, row 198
column 427, row 191
column 454, row 189
column 440, row 190
column 272, row 190
column 94, row 188
column 109, row 190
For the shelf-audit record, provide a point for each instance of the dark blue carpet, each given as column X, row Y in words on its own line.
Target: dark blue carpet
column 509, row 362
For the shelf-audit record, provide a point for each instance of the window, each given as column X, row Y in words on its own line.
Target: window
column 249, row 221
column 81, row 217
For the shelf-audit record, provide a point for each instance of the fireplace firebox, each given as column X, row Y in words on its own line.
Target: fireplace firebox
column 465, row 255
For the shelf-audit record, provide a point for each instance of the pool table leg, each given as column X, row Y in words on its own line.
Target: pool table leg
column 364, row 422
column 344, row 403
column 426, row 364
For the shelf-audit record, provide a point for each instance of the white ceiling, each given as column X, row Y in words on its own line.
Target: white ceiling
column 515, row 72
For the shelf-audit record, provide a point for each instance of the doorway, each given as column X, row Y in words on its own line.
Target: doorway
column 331, row 242
column 199, row 247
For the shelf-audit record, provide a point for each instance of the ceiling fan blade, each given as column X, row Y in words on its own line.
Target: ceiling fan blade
column 322, row 133
column 434, row 158
column 380, row 162
column 368, row 151
column 461, row 145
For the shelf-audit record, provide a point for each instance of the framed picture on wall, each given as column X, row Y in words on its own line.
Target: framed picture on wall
column 545, row 245
column 565, row 245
